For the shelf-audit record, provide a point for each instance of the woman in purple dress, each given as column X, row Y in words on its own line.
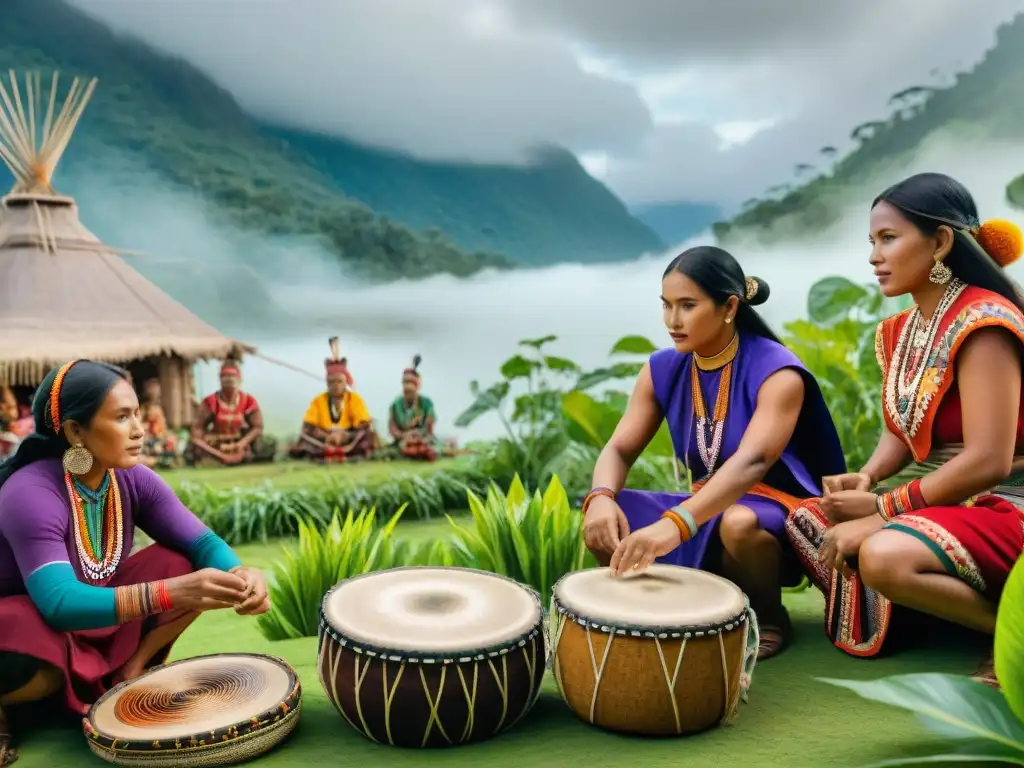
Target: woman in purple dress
column 752, row 427
column 77, row 613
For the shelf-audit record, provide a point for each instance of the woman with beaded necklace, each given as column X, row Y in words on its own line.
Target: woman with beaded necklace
column 941, row 542
column 77, row 613
column 752, row 427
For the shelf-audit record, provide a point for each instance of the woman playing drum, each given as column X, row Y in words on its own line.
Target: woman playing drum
column 754, row 430
column 77, row 614
column 942, row 544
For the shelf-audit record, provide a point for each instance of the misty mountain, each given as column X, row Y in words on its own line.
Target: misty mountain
column 981, row 105
column 382, row 215
column 676, row 222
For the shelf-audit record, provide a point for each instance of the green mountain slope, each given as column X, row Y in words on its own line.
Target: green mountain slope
column 552, row 212
column 676, row 222
column 983, row 104
column 193, row 133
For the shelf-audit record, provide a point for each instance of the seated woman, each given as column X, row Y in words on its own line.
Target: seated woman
column 160, row 448
column 752, row 428
column 229, row 426
column 337, row 425
column 942, row 544
column 411, row 418
column 77, row 613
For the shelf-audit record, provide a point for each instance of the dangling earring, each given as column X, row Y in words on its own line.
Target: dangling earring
column 77, row 460
column 940, row 274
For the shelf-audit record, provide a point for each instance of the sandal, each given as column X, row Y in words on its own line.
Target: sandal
column 774, row 637
column 986, row 673
column 8, row 754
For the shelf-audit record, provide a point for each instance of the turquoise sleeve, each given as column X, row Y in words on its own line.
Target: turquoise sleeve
column 211, row 551
column 67, row 604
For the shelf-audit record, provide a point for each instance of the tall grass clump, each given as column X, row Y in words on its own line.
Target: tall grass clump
column 263, row 512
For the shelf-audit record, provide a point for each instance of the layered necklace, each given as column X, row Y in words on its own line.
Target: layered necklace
column 710, row 432
column 98, row 521
column 911, row 358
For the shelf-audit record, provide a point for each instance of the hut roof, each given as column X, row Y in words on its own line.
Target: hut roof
column 63, row 294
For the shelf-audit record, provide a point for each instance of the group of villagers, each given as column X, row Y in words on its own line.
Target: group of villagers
column 229, row 429
column 915, row 542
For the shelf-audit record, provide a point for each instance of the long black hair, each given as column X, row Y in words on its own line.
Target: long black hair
column 82, row 391
column 929, row 200
column 720, row 276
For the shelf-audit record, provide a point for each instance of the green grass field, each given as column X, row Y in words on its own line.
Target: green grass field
column 292, row 474
column 791, row 719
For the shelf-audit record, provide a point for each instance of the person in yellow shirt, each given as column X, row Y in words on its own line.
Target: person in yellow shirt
column 337, row 426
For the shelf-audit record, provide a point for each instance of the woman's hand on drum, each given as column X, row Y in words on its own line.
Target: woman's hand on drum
column 604, row 525
column 638, row 550
column 207, row 590
column 258, row 600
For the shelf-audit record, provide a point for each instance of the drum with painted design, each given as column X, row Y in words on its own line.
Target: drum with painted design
column 664, row 652
column 431, row 657
column 214, row 710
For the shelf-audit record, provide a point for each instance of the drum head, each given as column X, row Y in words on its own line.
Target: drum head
column 192, row 696
column 415, row 610
column 662, row 597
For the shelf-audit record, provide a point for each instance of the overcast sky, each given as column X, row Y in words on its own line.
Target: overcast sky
column 709, row 101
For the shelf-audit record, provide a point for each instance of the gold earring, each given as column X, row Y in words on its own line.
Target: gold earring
column 940, row 274
column 77, row 460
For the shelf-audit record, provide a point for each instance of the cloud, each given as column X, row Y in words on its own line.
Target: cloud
column 440, row 79
column 651, row 85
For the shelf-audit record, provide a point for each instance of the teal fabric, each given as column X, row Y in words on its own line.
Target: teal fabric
column 211, row 551
column 66, row 603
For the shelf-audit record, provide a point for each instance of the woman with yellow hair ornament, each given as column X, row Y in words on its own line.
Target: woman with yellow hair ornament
column 940, row 546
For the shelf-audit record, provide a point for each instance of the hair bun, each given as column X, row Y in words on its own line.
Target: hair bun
column 757, row 291
column 1002, row 240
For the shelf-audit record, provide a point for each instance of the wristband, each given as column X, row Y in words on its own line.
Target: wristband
column 683, row 520
column 905, row 498
column 136, row 601
column 594, row 493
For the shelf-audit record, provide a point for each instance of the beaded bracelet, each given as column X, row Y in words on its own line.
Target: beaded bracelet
column 683, row 520
column 134, row 601
column 594, row 493
column 905, row 498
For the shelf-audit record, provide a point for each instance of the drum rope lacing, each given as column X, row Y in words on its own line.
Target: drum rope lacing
column 751, row 643
column 366, row 656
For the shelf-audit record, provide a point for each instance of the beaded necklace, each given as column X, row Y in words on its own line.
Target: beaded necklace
column 910, row 361
column 709, row 435
column 98, row 519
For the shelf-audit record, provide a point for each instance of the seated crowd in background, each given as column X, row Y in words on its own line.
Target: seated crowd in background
column 229, row 428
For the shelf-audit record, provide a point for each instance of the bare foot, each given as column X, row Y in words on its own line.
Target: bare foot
column 986, row 673
column 8, row 754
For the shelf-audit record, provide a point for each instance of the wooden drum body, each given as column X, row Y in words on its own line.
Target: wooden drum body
column 431, row 657
column 206, row 711
column 665, row 652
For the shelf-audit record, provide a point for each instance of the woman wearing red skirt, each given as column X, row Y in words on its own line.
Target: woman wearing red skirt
column 944, row 543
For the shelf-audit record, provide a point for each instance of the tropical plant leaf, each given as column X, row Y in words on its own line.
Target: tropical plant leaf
column 561, row 364
column 540, row 342
column 518, row 367
column 975, row 752
column 832, row 297
column 1009, row 641
column 488, row 400
column 951, row 705
column 634, row 345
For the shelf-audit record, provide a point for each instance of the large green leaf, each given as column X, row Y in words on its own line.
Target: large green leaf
column 561, row 364
column 600, row 375
column 634, row 345
column 518, row 367
column 951, row 705
column 488, row 400
column 975, row 752
column 831, row 297
column 597, row 420
column 1010, row 640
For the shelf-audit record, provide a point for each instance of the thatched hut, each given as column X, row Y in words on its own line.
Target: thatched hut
column 63, row 294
